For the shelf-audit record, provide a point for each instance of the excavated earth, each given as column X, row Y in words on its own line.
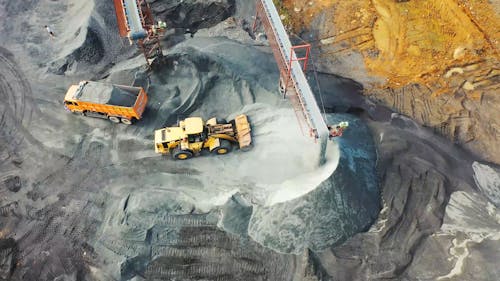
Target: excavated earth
column 434, row 60
column 84, row 199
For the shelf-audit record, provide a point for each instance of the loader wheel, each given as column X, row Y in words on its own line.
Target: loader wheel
column 114, row 119
column 224, row 147
column 221, row 121
column 126, row 121
column 179, row 154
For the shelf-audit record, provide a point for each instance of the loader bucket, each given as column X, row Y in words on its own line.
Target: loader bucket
column 243, row 131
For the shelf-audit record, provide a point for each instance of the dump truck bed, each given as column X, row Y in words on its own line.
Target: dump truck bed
column 106, row 99
column 103, row 93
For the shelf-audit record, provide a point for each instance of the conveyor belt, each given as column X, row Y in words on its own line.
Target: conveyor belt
column 285, row 57
column 130, row 21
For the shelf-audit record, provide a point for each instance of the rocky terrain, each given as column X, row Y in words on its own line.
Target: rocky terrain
column 438, row 210
column 436, row 61
column 83, row 199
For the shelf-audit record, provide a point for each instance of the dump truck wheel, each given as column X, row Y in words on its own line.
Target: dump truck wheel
column 224, row 147
column 126, row 121
column 114, row 119
column 179, row 154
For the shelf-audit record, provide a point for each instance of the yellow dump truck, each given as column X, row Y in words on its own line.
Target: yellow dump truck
column 117, row 103
column 192, row 135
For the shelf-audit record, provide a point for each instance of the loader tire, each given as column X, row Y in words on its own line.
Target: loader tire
column 114, row 119
column 221, row 121
column 179, row 154
column 224, row 148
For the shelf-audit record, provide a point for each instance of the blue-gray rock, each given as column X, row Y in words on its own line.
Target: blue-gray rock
column 346, row 203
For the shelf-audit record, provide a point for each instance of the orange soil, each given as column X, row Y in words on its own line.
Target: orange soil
column 433, row 42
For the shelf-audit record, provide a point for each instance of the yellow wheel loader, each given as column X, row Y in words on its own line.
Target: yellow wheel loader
column 192, row 135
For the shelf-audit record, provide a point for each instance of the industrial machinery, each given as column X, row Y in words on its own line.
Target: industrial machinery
column 117, row 103
column 338, row 129
column 192, row 135
column 136, row 22
column 293, row 83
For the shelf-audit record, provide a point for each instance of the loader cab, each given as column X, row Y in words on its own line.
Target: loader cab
column 199, row 137
column 196, row 137
column 193, row 128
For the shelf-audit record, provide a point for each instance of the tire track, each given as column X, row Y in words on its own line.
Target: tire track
column 15, row 87
column 17, row 103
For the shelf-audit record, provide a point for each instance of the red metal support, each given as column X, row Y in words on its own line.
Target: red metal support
column 293, row 58
column 305, row 58
column 121, row 18
column 284, row 65
column 291, row 68
column 150, row 44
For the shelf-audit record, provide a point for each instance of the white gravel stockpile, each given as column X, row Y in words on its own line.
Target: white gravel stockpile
column 282, row 165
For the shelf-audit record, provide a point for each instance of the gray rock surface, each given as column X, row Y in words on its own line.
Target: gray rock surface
column 469, row 235
column 105, row 207
column 103, row 93
column 192, row 15
column 8, row 258
column 411, row 239
column 487, row 178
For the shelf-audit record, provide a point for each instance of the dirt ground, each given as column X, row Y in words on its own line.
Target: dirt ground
column 404, row 42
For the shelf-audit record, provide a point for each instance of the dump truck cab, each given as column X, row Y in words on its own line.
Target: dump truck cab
column 118, row 103
column 192, row 135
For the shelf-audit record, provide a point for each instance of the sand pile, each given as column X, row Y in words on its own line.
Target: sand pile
column 86, row 36
column 196, row 83
column 108, row 205
column 200, row 80
column 340, row 206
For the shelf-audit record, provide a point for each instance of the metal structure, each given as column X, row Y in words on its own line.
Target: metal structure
column 293, row 82
column 136, row 22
